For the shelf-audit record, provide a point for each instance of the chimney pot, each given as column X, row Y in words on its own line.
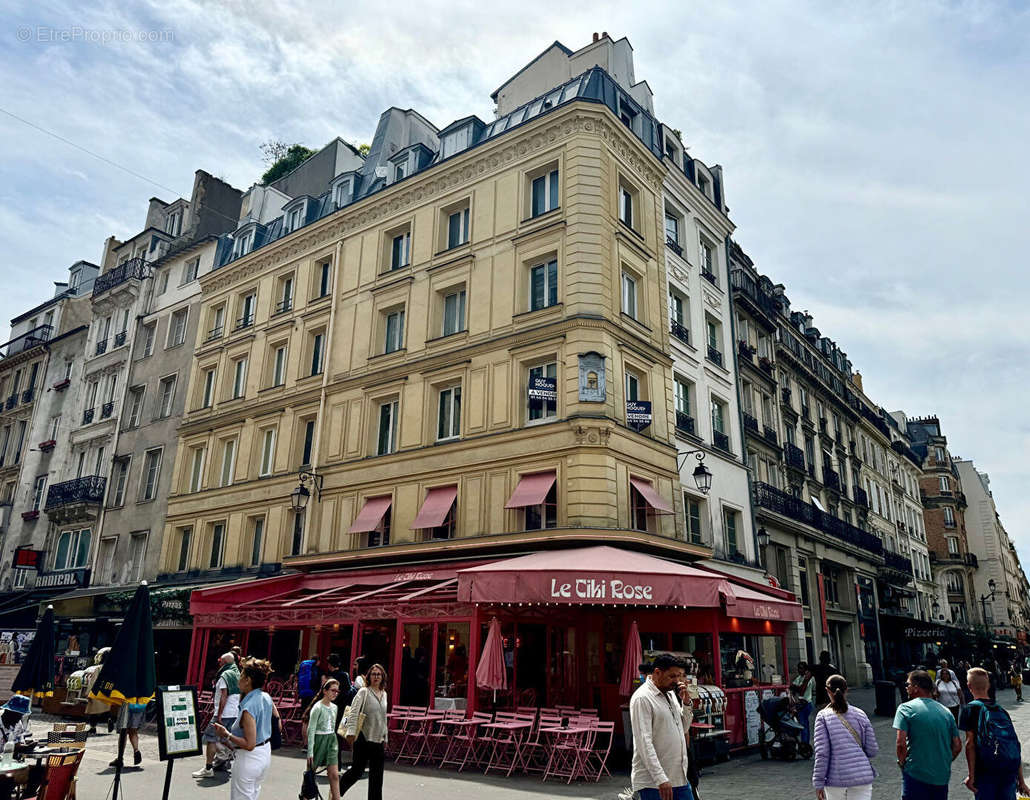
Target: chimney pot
column 596, row 37
column 604, row 35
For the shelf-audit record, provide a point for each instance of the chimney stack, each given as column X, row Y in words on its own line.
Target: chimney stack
column 596, row 37
column 604, row 35
column 857, row 380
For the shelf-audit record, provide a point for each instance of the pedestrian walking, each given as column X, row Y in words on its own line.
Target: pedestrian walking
column 323, row 748
column 961, row 668
column 992, row 747
column 949, row 690
column 251, row 732
column 801, row 687
column 368, row 737
column 343, row 699
column 660, row 715
column 1016, row 679
column 130, row 719
column 822, row 672
column 927, row 741
column 845, row 743
column 226, row 704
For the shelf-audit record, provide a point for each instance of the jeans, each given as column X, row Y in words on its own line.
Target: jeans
column 678, row 793
column 372, row 755
column 804, row 712
column 996, row 788
column 912, row 789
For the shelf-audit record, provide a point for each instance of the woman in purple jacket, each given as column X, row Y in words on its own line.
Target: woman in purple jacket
column 844, row 746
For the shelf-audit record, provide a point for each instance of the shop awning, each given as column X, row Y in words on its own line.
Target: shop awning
column 532, row 490
column 371, row 515
column 593, row 576
column 753, row 604
column 655, row 500
column 436, row 507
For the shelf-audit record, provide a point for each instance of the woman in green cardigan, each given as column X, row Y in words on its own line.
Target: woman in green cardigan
column 323, row 749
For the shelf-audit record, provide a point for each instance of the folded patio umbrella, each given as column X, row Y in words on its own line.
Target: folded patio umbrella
column 36, row 676
column 128, row 674
column 490, row 673
column 631, row 661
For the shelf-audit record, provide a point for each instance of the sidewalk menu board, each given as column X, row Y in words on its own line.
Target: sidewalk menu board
column 178, row 734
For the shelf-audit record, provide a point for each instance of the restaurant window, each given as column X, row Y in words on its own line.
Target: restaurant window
column 416, row 657
column 185, row 535
column 696, row 648
column 544, row 515
column 452, row 664
column 639, row 510
column 750, row 660
column 543, row 409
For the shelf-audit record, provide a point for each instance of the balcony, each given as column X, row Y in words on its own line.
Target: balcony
column 61, row 385
column 101, row 347
column 785, row 396
column 12, row 401
column 721, row 441
column 861, row 498
column 244, row 322
column 743, row 284
column 28, row 340
column 77, row 499
column 119, row 338
column 284, row 305
column 806, row 412
column 765, row 364
column 133, row 269
column 771, row 498
column 745, row 351
column 87, row 416
column 794, row 456
column 959, row 559
column 709, row 276
column 215, row 333
column 750, row 423
column 684, row 423
column 714, row 356
column 28, row 394
column 680, row 331
column 770, row 436
column 895, row 562
column 47, row 446
column 673, row 245
column 853, row 450
column 831, row 480
column 106, row 410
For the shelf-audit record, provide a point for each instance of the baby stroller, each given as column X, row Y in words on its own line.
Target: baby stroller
column 779, row 732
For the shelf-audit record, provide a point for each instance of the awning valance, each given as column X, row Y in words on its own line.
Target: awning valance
column 436, row 507
column 655, row 500
column 532, row 490
column 371, row 515
column 753, row 604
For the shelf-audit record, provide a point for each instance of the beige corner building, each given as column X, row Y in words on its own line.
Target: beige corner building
column 444, row 336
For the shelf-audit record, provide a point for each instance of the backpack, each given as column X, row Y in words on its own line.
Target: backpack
column 307, row 678
column 997, row 746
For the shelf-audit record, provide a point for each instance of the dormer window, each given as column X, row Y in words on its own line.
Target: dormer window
column 243, row 244
column 456, row 141
column 704, row 185
column 342, row 193
column 400, row 170
column 293, row 215
column 174, row 225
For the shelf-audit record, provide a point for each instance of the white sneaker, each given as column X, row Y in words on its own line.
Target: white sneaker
column 204, row 772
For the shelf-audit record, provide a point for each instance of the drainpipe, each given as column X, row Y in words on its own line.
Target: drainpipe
column 740, row 411
column 316, row 446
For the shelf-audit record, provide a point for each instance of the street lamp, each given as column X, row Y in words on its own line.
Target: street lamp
column 763, row 539
column 935, row 609
column 299, row 497
column 702, row 475
column 985, row 597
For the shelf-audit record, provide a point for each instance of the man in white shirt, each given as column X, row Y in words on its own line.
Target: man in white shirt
column 226, row 702
column 660, row 714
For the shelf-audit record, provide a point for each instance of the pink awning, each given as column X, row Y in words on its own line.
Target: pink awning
column 753, row 604
column 655, row 500
column 371, row 515
column 532, row 490
column 593, row 576
column 437, row 505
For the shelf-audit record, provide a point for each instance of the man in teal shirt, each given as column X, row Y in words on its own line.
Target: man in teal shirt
column 928, row 741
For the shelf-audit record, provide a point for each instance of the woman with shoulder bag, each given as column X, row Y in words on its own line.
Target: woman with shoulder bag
column 251, row 733
column 365, row 730
column 844, row 748
column 322, row 744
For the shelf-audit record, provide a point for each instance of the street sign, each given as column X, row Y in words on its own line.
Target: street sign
column 27, row 558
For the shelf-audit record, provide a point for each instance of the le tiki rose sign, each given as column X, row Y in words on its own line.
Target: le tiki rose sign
column 592, row 590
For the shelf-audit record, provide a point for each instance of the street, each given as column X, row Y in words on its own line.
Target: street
column 742, row 777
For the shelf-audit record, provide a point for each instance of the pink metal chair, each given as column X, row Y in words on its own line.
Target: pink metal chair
column 507, row 752
column 463, row 747
column 535, row 750
column 412, row 731
column 595, row 761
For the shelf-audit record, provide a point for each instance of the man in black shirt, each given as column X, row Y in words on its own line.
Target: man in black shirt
column 821, row 672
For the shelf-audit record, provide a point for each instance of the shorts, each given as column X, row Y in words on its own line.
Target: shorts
column 211, row 735
column 325, row 750
column 130, row 718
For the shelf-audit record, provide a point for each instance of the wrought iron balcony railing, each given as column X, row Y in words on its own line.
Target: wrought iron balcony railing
column 101, row 347
column 215, row 333
column 770, row 435
column 673, row 245
column 710, row 277
column 793, row 455
column 684, row 422
column 861, row 498
column 28, row 394
column 750, row 423
column 897, row 562
column 119, row 338
column 106, row 410
column 681, row 332
column 831, row 480
column 28, row 340
column 714, row 356
column 87, row 416
column 245, row 322
column 284, row 305
column 795, row 508
column 721, row 441
column 743, row 283
column 134, row 268
column 89, row 489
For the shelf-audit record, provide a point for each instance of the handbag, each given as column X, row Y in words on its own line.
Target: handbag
column 342, row 729
column 275, row 741
column 308, row 786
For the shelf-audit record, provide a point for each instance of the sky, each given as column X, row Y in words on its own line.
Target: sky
column 873, row 152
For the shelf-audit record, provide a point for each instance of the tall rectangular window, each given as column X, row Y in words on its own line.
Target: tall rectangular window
column 718, row 417
column 286, row 294
column 707, row 254
column 239, row 378
column 177, row 327
column 945, row 484
column 387, row 428
column 682, row 396
column 626, row 206
column 672, row 228
column 317, row 353
column 189, row 272
column 121, row 478
column 949, row 516
column 394, row 331
column 38, row 490
column 267, row 452
column 449, row 414
column 543, row 285
column 185, row 535
column 167, row 396
column 257, row 536
column 400, row 250
column 545, row 193
column 137, row 554
column 217, row 322
column 629, row 295
column 209, row 388
column 197, row 470
column 693, row 514
column 217, row 545
column 151, row 472
column 228, row 462
column 544, row 515
column 539, row 408
column 323, row 278
column 309, row 441
column 632, row 388
column 677, row 310
column 458, row 228
column 454, row 312
column 136, row 395
column 731, row 522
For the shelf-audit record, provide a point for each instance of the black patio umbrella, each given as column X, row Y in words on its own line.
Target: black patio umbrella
column 128, row 674
column 36, row 676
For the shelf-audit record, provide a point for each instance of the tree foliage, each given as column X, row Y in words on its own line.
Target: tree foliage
column 364, row 148
column 283, row 159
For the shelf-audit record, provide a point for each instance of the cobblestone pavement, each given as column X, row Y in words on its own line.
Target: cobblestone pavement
column 741, row 778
